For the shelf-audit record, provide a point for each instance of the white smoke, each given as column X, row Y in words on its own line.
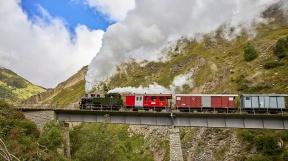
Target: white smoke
column 155, row 88
column 284, row 7
column 245, row 21
column 181, row 80
column 153, row 24
column 151, row 89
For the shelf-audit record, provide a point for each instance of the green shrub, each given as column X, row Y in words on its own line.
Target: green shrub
column 102, row 141
column 250, row 52
column 273, row 64
column 258, row 158
column 268, row 144
column 242, row 82
column 256, row 88
column 52, row 135
column 281, row 48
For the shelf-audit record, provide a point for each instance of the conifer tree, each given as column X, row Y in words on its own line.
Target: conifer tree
column 250, row 53
column 281, row 48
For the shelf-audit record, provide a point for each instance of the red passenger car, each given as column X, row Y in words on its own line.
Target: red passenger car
column 148, row 101
column 205, row 101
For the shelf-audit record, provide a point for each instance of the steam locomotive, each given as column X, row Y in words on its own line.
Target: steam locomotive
column 186, row 102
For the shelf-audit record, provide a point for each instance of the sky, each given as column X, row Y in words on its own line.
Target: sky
column 71, row 12
column 47, row 41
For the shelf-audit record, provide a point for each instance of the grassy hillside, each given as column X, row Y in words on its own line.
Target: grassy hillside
column 68, row 97
column 15, row 89
column 218, row 65
column 66, row 94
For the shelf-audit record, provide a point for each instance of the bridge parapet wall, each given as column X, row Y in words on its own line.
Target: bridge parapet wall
column 40, row 117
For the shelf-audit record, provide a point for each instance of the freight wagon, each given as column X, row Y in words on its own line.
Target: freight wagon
column 187, row 102
column 263, row 102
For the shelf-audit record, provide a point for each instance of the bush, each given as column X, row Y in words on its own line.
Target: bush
column 281, row 48
column 52, row 135
column 102, row 141
column 284, row 157
column 250, row 52
column 258, row 158
column 273, row 64
column 268, row 144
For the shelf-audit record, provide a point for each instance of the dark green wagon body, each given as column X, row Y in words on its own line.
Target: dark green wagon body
column 111, row 101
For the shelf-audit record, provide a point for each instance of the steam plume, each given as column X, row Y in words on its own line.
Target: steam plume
column 153, row 24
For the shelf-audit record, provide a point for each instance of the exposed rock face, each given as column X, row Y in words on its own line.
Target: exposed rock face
column 198, row 144
column 37, row 99
column 155, row 137
column 209, row 144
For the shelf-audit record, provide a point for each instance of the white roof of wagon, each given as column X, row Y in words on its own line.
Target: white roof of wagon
column 267, row 95
column 209, row 95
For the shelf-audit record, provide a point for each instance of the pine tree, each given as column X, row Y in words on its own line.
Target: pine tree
column 250, row 53
column 281, row 48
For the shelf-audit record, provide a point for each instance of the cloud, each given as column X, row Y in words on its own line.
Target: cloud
column 113, row 10
column 152, row 24
column 41, row 49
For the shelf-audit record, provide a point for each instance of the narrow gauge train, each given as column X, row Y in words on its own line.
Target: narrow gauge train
column 187, row 102
column 113, row 101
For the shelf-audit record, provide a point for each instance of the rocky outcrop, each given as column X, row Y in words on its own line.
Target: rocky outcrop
column 48, row 95
column 211, row 144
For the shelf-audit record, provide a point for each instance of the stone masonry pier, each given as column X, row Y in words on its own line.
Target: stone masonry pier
column 40, row 117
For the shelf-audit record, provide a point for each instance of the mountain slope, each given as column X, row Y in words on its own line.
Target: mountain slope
column 67, row 93
column 214, row 64
column 15, row 89
column 217, row 65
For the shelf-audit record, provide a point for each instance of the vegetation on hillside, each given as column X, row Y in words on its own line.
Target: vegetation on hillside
column 68, row 97
column 21, row 138
column 220, row 65
column 270, row 144
column 250, row 52
column 102, row 141
column 15, row 89
column 281, row 48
